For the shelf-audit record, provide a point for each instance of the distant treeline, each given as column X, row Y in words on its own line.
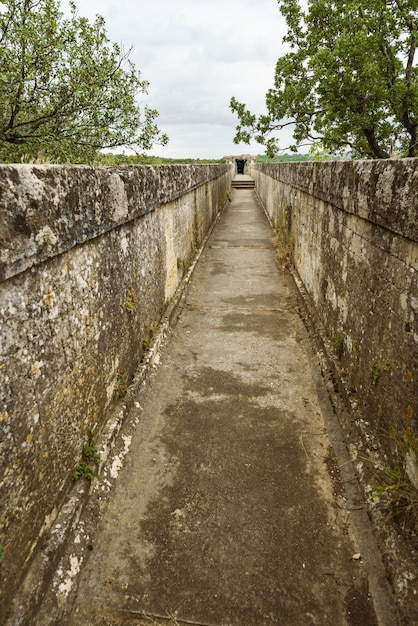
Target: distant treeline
column 142, row 159
column 262, row 158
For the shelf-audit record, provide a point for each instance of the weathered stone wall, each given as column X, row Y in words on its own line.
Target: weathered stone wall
column 352, row 229
column 89, row 258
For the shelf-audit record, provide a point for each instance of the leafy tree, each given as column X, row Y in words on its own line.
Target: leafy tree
column 65, row 91
column 349, row 81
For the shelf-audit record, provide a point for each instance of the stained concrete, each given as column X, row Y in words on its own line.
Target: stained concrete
column 230, row 508
column 89, row 257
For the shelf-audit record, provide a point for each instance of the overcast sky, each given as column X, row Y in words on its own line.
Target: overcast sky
column 196, row 55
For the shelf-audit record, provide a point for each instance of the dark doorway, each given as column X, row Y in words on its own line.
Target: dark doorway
column 240, row 165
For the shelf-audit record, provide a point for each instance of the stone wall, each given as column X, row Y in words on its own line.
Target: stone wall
column 352, row 230
column 89, row 259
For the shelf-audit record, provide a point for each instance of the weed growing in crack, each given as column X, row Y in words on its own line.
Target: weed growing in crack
column 122, row 385
column 338, row 343
column 131, row 301
column 376, row 370
column 399, row 484
column 89, row 459
column 147, row 341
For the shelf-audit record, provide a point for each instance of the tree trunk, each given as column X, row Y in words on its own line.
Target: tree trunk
column 375, row 148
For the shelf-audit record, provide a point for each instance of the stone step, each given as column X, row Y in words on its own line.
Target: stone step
column 243, row 184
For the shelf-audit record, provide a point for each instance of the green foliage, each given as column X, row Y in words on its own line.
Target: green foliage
column 338, row 343
column 85, row 469
column 131, row 301
column 281, row 158
column 122, row 384
column 376, row 370
column 65, row 91
column 110, row 159
column 148, row 340
column 1, row 552
column 349, row 82
column 392, row 481
column 147, row 343
column 318, row 152
column 90, row 453
column 395, row 482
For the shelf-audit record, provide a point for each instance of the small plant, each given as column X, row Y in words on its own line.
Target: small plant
column 403, row 496
column 386, row 367
column 85, row 469
column 147, row 341
column 338, row 343
column 228, row 196
column 1, row 552
column 399, row 483
column 122, row 385
column 196, row 244
column 180, row 263
column 131, row 301
column 91, row 454
column 375, row 372
column 392, row 480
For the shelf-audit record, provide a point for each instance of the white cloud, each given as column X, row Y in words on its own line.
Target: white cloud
column 196, row 55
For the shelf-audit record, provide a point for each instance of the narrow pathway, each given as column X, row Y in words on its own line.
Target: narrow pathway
column 225, row 512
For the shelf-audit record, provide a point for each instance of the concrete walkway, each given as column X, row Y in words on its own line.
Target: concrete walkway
column 228, row 509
